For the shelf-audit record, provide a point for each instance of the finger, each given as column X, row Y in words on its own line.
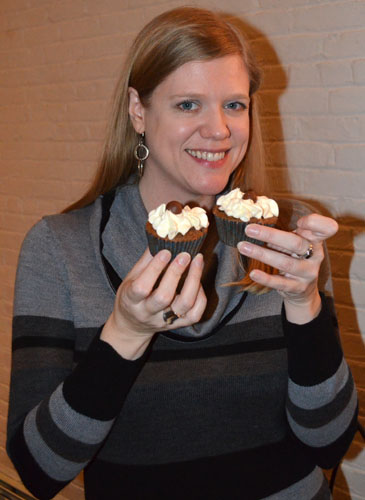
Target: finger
column 278, row 282
column 143, row 262
column 289, row 242
column 278, row 248
column 187, row 297
column 164, row 294
column 142, row 285
column 196, row 311
column 318, row 226
column 314, row 237
column 286, row 264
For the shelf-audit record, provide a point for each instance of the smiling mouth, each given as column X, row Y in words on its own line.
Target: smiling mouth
column 206, row 155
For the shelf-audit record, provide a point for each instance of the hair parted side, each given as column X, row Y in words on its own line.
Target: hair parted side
column 167, row 42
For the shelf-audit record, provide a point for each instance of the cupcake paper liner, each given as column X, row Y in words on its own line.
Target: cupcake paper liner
column 190, row 246
column 232, row 232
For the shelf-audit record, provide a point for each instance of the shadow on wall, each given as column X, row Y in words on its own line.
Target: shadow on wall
column 274, row 85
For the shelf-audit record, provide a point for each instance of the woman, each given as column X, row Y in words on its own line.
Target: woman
column 244, row 395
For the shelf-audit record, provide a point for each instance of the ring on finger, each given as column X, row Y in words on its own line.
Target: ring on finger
column 169, row 316
column 307, row 254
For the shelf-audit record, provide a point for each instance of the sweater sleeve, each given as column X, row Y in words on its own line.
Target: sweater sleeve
column 322, row 399
column 59, row 416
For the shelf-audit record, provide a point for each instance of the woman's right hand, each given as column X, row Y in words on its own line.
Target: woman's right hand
column 140, row 304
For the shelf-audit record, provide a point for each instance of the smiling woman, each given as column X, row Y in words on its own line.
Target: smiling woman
column 147, row 372
column 160, row 52
column 197, row 132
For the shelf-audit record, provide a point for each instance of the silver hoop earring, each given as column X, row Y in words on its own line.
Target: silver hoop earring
column 141, row 153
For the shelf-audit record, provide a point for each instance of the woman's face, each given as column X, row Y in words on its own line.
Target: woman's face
column 197, row 128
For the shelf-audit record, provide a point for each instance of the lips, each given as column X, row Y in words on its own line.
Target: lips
column 206, row 155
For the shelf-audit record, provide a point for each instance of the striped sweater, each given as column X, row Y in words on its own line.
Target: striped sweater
column 244, row 405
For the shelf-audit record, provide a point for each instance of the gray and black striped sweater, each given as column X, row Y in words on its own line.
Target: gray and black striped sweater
column 244, row 405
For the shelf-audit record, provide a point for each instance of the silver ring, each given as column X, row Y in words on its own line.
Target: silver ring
column 169, row 316
column 308, row 254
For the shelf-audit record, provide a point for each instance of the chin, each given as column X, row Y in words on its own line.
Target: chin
column 213, row 187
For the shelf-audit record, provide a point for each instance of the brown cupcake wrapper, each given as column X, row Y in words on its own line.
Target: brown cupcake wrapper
column 192, row 247
column 232, row 232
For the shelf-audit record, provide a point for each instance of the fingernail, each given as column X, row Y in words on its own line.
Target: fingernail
column 164, row 255
column 252, row 230
column 245, row 248
column 198, row 260
column 183, row 259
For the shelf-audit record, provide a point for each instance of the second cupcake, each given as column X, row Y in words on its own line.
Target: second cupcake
column 236, row 209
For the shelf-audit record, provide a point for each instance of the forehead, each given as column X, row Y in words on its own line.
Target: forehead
column 225, row 73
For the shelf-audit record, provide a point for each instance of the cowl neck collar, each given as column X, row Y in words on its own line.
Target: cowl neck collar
column 124, row 241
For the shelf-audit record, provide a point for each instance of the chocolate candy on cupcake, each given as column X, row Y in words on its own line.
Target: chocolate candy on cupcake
column 236, row 209
column 177, row 228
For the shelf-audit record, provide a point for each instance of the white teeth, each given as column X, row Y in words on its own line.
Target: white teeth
column 206, row 155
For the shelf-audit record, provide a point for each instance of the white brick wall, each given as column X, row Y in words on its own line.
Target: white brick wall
column 58, row 66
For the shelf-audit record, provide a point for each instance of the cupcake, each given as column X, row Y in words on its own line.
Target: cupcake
column 236, row 209
column 177, row 228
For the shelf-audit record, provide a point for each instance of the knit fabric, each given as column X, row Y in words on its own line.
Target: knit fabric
column 243, row 405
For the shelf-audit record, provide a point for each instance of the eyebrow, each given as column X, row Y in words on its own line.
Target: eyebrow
column 193, row 95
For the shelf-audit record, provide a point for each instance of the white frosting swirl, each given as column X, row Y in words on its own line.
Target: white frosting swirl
column 234, row 205
column 167, row 224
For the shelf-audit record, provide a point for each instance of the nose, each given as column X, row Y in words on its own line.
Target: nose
column 215, row 125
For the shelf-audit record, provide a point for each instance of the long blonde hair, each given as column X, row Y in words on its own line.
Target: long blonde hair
column 170, row 40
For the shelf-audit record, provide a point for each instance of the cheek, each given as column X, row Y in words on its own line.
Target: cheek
column 242, row 136
column 246, row 129
column 169, row 132
column 240, row 126
column 180, row 132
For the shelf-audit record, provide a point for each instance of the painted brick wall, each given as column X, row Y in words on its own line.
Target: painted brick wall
column 58, row 65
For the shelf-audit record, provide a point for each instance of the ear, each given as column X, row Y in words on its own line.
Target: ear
column 136, row 110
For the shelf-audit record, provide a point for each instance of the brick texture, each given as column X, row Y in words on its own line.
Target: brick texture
column 58, row 64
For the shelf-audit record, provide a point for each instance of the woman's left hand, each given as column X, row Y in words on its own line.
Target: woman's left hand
column 298, row 276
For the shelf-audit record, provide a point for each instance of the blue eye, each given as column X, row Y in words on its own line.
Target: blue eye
column 187, row 106
column 236, row 105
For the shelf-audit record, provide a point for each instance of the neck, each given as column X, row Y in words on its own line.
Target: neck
column 152, row 198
